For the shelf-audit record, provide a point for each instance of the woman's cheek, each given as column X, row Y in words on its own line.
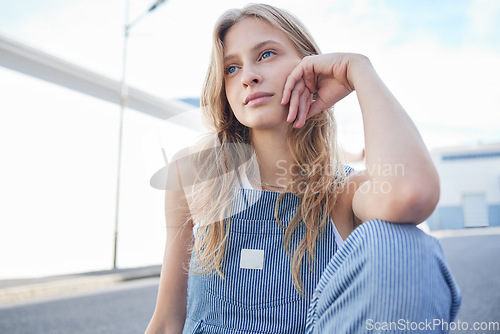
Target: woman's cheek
column 230, row 97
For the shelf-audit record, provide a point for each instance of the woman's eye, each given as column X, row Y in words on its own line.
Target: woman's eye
column 267, row 54
column 230, row 69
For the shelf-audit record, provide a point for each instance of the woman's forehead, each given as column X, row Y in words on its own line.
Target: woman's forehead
column 251, row 32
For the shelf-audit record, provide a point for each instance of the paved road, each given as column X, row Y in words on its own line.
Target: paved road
column 127, row 307
column 475, row 263
column 121, row 309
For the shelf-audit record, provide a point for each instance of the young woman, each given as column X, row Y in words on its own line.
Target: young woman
column 277, row 244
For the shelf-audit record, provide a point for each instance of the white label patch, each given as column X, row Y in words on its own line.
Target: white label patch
column 252, row 259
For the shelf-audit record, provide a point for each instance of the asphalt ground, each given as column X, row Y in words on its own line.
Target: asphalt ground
column 15, row 290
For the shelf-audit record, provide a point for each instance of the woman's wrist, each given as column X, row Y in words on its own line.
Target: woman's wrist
column 359, row 67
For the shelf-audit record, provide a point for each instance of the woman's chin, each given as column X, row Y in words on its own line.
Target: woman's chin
column 265, row 122
column 275, row 125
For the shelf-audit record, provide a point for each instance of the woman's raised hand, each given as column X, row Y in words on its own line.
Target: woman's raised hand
column 328, row 75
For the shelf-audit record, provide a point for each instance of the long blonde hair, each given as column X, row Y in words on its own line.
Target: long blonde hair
column 217, row 161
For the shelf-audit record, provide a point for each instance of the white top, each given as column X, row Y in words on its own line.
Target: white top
column 338, row 239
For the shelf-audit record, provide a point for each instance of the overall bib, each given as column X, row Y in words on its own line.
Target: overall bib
column 384, row 278
column 257, row 295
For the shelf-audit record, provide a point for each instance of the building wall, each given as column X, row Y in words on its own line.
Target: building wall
column 468, row 173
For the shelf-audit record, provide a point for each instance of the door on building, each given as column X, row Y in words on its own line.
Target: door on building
column 475, row 210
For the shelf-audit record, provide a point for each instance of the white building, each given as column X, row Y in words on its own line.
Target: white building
column 470, row 187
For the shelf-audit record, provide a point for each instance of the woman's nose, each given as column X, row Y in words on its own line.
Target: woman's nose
column 250, row 76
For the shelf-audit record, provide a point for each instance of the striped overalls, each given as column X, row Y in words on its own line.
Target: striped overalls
column 383, row 272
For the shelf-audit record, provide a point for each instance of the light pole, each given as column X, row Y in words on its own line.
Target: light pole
column 123, row 105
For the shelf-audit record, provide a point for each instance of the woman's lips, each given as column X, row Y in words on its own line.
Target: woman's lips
column 257, row 98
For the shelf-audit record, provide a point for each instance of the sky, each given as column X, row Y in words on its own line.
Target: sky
column 440, row 58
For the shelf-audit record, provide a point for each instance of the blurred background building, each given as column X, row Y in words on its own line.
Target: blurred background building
column 470, row 186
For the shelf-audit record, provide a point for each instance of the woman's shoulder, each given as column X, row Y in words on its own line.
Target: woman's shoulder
column 183, row 164
column 190, row 162
column 181, row 154
column 186, row 156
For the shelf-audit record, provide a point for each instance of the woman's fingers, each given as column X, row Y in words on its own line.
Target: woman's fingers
column 324, row 74
column 296, row 93
column 303, row 113
column 290, row 83
column 308, row 73
column 303, row 72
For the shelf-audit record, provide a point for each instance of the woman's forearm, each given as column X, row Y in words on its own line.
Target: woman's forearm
column 397, row 161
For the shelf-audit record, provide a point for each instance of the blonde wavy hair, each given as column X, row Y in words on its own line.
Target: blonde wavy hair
column 218, row 158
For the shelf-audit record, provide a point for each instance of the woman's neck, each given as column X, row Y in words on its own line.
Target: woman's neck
column 273, row 154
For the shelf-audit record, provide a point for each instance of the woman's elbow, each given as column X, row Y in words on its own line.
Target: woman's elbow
column 416, row 202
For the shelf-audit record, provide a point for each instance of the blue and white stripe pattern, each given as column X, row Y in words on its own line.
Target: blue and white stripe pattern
column 383, row 272
column 257, row 300
column 385, row 275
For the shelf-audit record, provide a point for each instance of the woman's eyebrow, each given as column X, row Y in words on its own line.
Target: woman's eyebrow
column 255, row 48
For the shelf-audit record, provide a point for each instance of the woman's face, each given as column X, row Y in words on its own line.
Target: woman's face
column 258, row 58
